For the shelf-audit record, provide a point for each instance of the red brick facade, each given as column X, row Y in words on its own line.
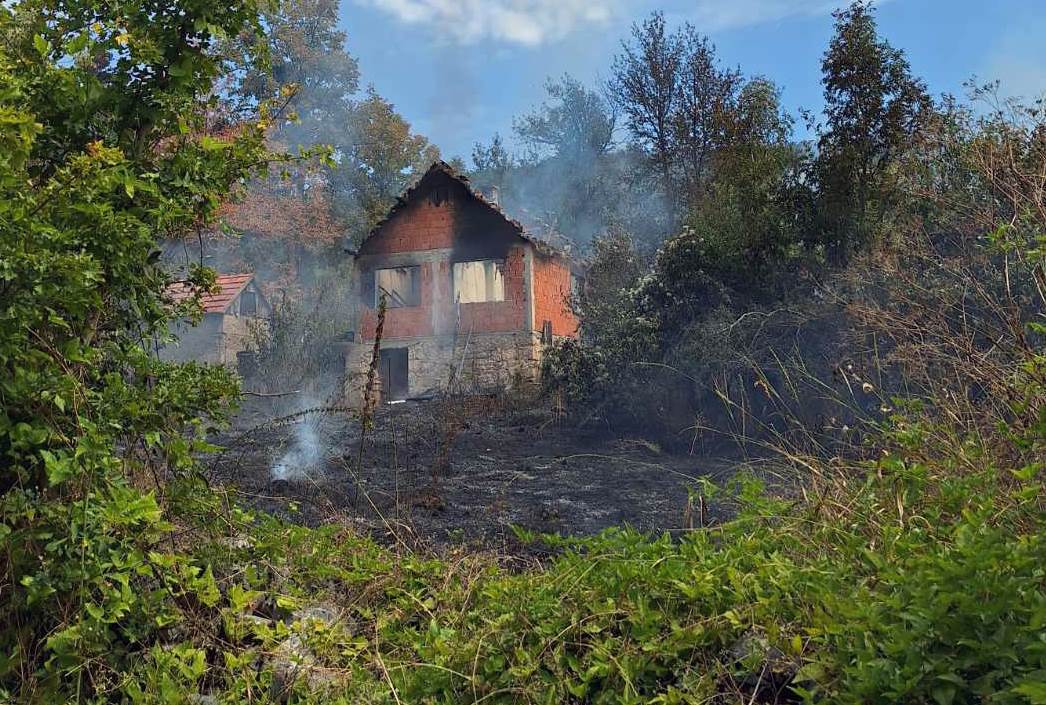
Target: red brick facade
column 552, row 291
column 420, row 225
column 442, row 221
column 431, row 236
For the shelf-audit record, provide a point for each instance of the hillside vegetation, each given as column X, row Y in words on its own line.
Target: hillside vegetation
column 906, row 567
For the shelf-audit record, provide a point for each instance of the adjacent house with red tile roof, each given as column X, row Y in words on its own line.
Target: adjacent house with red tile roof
column 472, row 299
column 231, row 315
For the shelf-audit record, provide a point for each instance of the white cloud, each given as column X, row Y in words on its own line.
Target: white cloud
column 526, row 22
column 536, row 22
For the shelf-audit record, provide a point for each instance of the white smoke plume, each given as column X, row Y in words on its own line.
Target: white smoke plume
column 303, row 456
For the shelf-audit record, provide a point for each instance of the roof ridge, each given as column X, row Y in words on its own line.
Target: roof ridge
column 441, row 166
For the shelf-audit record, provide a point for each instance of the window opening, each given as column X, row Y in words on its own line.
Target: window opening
column 401, row 286
column 479, row 281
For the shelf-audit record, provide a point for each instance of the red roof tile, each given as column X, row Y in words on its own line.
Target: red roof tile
column 229, row 287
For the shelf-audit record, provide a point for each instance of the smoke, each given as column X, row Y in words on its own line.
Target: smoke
column 453, row 109
column 303, row 456
column 571, row 200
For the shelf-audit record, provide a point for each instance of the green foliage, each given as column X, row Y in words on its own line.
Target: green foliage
column 686, row 112
column 305, row 64
column 568, row 180
column 866, row 605
column 92, row 173
column 310, row 73
column 615, row 340
column 378, row 156
column 298, row 347
column 960, row 624
column 575, row 125
column 874, row 107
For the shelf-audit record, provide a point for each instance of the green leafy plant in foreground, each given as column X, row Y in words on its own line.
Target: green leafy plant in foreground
column 862, row 607
column 102, row 151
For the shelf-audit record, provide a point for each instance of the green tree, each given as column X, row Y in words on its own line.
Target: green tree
column 683, row 108
column 491, row 164
column 567, row 177
column 602, row 365
column 873, row 108
column 645, row 85
column 376, row 156
column 752, row 218
column 706, row 109
column 103, row 152
column 575, row 124
column 308, row 68
column 374, row 152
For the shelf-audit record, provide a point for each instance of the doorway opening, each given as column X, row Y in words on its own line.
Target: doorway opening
column 394, row 369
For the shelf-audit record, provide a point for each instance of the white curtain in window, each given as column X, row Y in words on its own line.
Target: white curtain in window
column 475, row 282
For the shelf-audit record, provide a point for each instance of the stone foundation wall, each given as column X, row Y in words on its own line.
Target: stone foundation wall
column 481, row 362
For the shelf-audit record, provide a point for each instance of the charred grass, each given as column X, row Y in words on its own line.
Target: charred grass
column 468, row 470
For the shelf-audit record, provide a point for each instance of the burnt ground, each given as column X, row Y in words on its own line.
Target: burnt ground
column 440, row 472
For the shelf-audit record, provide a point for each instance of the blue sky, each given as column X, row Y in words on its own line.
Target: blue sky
column 459, row 70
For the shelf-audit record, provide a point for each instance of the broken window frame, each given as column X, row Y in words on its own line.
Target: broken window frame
column 244, row 310
column 395, row 299
column 493, row 281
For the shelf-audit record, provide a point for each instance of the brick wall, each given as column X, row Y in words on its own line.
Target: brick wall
column 409, row 321
column 507, row 315
column 420, row 225
column 437, row 313
column 433, row 236
column 552, row 296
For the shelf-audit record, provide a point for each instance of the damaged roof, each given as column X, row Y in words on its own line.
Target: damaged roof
column 442, row 167
column 229, row 287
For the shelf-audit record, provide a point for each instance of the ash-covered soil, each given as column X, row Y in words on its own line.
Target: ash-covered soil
column 458, row 471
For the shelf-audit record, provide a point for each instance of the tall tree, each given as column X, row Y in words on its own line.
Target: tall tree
column 742, row 237
column 376, row 155
column 704, row 111
column 308, row 67
column 645, row 86
column 569, row 137
column 681, row 106
column 574, row 124
column 491, row 163
column 758, row 117
column 374, row 152
column 873, row 107
column 564, row 184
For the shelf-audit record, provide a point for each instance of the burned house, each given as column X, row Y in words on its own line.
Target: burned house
column 232, row 316
column 471, row 298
